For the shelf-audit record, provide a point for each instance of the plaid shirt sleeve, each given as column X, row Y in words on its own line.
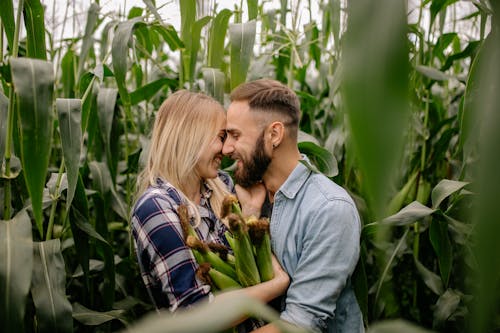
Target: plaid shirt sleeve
column 167, row 264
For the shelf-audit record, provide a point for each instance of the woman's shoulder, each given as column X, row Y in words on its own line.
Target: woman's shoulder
column 162, row 196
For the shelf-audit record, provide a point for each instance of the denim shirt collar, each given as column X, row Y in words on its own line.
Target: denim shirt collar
column 296, row 179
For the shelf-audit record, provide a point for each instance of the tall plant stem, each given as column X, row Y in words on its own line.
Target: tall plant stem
column 54, row 201
column 10, row 120
column 127, row 153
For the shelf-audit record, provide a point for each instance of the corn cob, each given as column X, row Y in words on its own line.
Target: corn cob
column 259, row 234
column 230, row 239
column 246, row 268
column 222, row 251
column 208, row 256
column 216, row 279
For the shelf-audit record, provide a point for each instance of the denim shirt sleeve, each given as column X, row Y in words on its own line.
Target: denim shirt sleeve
column 328, row 256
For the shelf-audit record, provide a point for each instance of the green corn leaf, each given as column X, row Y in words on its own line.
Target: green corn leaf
column 195, row 46
column 135, row 12
column 87, row 85
column 88, row 39
column 70, row 115
column 110, row 26
column 218, row 32
column 16, row 247
column 7, row 17
column 335, row 9
column 212, row 317
column 169, row 35
column 188, row 17
column 103, row 184
column 431, row 279
column 34, row 86
column 439, row 6
column 432, row 73
column 101, row 178
column 79, row 214
column 147, row 91
column 119, row 53
column 375, row 92
column 442, row 43
column 242, row 39
column 446, row 305
column 324, row 160
column 34, row 21
column 398, row 200
column 106, row 102
column 4, row 113
column 444, row 189
column 93, row 318
column 48, row 288
column 469, row 51
column 485, row 108
column 143, row 38
column 253, row 9
column 440, row 240
column 68, row 73
column 215, row 81
column 409, row 214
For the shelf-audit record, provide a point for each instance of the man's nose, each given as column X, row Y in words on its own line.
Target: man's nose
column 228, row 147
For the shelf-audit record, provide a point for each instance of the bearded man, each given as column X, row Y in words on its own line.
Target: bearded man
column 315, row 226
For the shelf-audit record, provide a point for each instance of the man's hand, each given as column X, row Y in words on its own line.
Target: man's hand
column 251, row 198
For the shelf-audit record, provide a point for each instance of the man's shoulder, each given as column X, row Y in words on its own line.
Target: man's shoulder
column 326, row 189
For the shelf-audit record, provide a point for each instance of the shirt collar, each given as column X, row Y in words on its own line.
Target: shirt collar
column 296, row 179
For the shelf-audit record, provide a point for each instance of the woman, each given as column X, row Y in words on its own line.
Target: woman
column 183, row 168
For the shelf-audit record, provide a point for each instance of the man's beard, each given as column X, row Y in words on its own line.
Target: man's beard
column 252, row 171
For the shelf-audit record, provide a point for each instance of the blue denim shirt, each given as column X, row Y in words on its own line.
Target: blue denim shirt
column 315, row 233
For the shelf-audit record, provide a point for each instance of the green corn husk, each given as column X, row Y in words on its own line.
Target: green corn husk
column 259, row 234
column 222, row 281
column 218, row 280
column 223, row 252
column 246, row 267
column 210, row 257
column 230, row 239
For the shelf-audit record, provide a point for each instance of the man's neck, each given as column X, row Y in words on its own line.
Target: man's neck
column 279, row 169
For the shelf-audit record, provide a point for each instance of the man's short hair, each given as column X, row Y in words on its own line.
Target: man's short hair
column 270, row 96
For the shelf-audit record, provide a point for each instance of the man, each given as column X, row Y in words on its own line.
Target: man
column 315, row 226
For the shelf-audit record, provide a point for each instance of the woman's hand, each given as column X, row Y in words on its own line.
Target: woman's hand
column 251, row 198
column 281, row 278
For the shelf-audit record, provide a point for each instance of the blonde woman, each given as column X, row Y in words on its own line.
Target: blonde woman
column 183, row 168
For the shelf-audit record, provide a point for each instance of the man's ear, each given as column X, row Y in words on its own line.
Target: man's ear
column 276, row 133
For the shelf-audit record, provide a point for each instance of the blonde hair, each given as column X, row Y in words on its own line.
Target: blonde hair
column 184, row 126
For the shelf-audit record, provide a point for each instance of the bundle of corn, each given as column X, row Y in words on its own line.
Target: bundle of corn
column 248, row 237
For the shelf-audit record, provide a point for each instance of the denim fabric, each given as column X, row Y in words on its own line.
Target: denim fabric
column 315, row 234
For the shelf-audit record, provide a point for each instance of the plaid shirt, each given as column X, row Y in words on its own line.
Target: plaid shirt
column 167, row 265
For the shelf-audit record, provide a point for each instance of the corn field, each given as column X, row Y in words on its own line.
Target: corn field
column 399, row 106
